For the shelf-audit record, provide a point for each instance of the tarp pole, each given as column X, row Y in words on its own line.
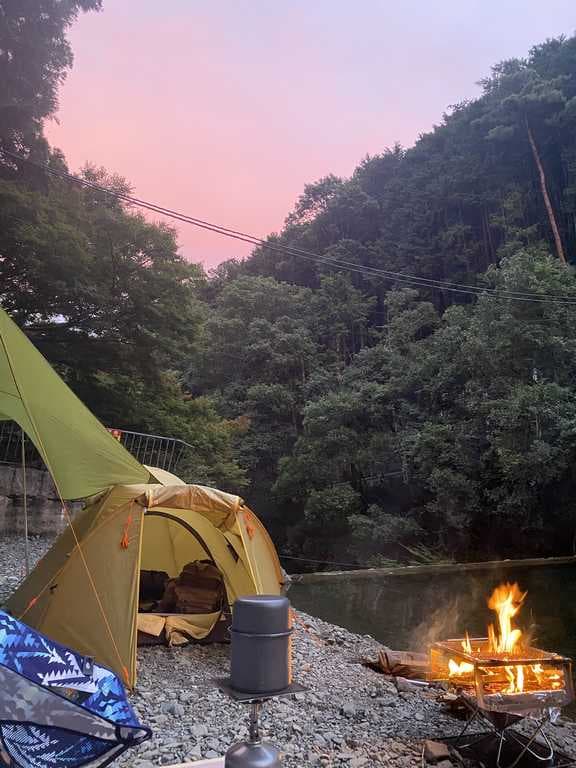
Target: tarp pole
column 26, row 548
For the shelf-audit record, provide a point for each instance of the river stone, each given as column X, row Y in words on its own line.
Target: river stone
column 435, row 751
column 386, row 730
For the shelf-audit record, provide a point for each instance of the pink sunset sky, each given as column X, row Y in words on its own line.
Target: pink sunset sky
column 224, row 109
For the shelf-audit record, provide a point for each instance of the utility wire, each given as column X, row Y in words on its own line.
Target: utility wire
column 413, row 280
column 291, row 250
column 251, row 239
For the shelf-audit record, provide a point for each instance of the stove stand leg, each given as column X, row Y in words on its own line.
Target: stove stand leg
column 253, row 753
column 508, row 734
column 254, row 727
column 526, row 747
column 498, row 756
column 476, row 715
column 467, row 725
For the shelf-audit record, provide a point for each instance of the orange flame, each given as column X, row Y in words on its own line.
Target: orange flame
column 505, row 601
column 463, row 667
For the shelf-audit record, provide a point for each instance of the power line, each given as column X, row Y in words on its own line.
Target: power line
column 290, row 250
column 366, row 270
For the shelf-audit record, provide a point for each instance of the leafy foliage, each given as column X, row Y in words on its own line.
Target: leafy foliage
column 34, row 59
column 365, row 418
column 421, row 421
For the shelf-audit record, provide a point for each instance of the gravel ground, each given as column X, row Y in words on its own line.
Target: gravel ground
column 349, row 716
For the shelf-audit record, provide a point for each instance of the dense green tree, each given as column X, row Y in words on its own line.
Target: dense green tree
column 34, row 59
column 106, row 297
column 90, row 278
column 472, row 416
column 530, row 107
column 164, row 407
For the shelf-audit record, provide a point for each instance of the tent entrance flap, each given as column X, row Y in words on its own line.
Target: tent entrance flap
column 178, row 574
column 150, row 548
column 176, row 629
column 179, row 603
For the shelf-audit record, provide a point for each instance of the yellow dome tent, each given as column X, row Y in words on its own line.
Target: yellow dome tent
column 85, row 591
column 142, row 527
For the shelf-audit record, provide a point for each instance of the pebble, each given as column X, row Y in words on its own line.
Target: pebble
column 349, row 716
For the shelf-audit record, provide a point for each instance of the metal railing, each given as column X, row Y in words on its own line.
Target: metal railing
column 153, row 450
column 11, row 437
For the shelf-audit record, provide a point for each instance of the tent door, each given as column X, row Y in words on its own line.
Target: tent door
column 173, row 601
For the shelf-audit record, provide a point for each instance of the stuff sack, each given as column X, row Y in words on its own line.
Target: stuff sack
column 198, row 589
column 57, row 707
column 152, row 585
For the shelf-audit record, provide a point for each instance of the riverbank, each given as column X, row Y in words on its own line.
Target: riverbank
column 350, row 715
column 438, row 569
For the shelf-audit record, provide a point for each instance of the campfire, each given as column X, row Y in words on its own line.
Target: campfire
column 503, row 672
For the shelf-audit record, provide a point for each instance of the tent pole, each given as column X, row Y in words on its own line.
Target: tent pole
column 26, row 549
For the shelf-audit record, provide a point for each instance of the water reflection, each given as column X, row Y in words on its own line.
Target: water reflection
column 408, row 612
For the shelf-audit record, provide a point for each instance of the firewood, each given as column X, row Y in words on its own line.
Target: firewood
column 404, row 664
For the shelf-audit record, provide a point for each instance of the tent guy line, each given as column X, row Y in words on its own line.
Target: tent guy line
column 413, row 280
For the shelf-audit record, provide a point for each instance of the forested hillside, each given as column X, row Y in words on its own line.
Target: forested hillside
column 390, row 378
column 394, row 418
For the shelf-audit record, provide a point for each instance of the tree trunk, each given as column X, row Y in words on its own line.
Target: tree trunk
column 545, row 195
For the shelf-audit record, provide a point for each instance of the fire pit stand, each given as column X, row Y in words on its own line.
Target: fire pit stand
column 501, row 725
column 503, row 689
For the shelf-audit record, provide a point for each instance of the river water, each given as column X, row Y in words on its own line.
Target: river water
column 408, row 612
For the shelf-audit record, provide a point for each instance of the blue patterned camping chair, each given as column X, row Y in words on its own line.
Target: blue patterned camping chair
column 57, row 707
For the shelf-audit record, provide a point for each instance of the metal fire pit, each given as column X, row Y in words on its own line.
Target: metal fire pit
column 483, row 681
column 547, row 676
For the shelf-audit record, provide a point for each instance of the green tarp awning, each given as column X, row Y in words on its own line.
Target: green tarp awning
column 80, row 453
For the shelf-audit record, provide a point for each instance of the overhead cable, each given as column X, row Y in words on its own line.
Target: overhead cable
column 366, row 270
